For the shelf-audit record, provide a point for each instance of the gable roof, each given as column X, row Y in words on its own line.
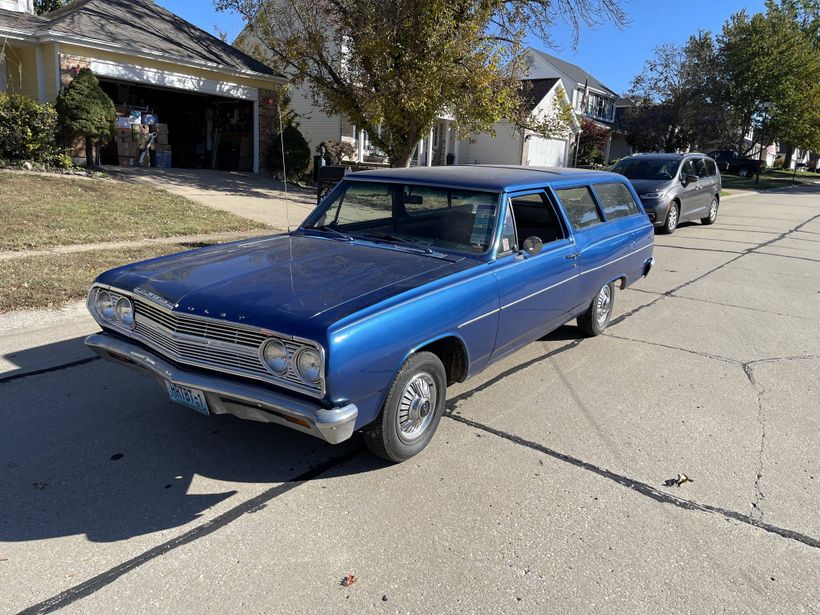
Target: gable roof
column 139, row 25
column 534, row 90
column 573, row 73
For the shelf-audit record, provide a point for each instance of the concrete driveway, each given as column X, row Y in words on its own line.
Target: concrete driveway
column 541, row 492
column 244, row 194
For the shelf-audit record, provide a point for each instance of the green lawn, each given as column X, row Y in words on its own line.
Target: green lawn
column 39, row 211
column 770, row 179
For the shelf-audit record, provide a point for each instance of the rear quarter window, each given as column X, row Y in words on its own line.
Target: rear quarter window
column 580, row 207
column 616, row 201
column 711, row 167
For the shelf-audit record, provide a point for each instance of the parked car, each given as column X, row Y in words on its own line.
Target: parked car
column 401, row 282
column 729, row 161
column 674, row 188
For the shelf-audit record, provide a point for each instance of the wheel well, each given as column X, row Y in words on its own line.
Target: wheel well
column 453, row 354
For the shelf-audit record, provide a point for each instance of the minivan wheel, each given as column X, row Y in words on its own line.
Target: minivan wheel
column 412, row 410
column 597, row 317
column 672, row 217
column 713, row 209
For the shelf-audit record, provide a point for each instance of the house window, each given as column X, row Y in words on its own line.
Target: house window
column 600, row 107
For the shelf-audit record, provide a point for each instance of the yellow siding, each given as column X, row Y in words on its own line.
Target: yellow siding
column 126, row 58
column 21, row 71
column 50, row 69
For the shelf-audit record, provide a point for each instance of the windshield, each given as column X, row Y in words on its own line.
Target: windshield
column 408, row 215
column 647, row 169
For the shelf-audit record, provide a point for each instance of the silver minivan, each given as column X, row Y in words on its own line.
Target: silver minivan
column 674, row 188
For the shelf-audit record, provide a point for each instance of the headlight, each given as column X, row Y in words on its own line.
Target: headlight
column 125, row 312
column 309, row 365
column 653, row 195
column 104, row 304
column 275, row 356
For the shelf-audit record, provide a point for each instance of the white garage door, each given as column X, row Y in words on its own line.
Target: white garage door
column 547, row 152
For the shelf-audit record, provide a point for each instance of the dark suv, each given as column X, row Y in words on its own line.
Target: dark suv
column 674, row 187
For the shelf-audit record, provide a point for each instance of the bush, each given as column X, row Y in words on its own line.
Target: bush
column 28, row 130
column 778, row 163
column 86, row 111
column 297, row 152
column 336, row 151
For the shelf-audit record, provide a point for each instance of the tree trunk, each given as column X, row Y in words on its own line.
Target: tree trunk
column 787, row 157
column 401, row 155
column 89, row 153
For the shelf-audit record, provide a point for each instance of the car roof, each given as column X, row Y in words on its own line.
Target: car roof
column 490, row 177
column 662, row 156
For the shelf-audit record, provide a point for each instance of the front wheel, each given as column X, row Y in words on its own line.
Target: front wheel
column 597, row 317
column 672, row 217
column 713, row 209
column 412, row 410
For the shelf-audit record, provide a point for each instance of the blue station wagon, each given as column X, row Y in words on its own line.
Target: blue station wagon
column 401, row 282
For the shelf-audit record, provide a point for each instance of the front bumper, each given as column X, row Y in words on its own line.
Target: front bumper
column 226, row 396
column 656, row 209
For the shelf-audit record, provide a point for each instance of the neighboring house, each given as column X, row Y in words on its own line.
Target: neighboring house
column 516, row 145
column 589, row 96
column 219, row 103
column 510, row 145
column 619, row 147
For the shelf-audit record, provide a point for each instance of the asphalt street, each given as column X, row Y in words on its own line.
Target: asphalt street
column 543, row 490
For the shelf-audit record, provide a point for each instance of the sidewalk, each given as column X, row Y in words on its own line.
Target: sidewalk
column 251, row 196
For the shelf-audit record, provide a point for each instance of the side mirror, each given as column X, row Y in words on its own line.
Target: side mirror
column 532, row 245
column 688, row 179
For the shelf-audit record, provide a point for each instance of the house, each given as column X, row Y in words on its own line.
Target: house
column 509, row 144
column 590, row 98
column 218, row 103
column 513, row 144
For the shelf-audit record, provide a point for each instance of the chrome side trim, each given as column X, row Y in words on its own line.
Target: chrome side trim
column 477, row 318
column 243, row 399
column 538, row 292
column 620, row 258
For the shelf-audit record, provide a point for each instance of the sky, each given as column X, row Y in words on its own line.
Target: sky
column 613, row 56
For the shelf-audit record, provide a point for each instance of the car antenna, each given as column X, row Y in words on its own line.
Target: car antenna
column 284, row 168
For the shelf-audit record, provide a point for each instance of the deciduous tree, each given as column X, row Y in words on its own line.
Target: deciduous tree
column 393, row 66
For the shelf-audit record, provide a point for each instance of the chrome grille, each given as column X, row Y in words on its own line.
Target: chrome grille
column 211, row 344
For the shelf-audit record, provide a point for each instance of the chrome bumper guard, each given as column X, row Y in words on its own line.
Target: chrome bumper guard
column 225, row 396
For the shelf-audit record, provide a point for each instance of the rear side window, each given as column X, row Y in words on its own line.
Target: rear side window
column 580, row 207
column 700, row 167
column 616, row 201
column 711, row 167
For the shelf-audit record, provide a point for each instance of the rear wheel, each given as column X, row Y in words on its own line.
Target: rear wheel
column 412, row 410
column 713, row 209
column 672, row 217
column 744, row 172
column 597, row 317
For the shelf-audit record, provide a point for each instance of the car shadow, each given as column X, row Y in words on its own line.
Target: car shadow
column 98, row 450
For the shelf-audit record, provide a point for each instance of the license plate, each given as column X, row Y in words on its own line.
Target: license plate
column 193, row 398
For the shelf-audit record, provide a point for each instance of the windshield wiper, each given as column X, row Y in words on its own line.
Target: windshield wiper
column 398, row 241
column 331, row 230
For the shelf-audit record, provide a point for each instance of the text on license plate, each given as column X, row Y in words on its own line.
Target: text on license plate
column 193, row 398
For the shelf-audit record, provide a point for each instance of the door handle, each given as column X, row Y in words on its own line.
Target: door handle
column 570, row 257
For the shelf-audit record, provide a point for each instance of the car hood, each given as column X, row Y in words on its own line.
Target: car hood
column 287, row 283
column 643, row 186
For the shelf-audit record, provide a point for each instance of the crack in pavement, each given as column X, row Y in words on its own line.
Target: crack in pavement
column 757, row 501
column 752, row 250
column 729, row 305
column 641, row 487
column 251, row 505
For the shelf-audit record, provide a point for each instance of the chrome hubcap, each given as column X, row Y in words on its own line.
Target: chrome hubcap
column 673, row 218
column 417, row 407
column 713, row 210
column 603, row 305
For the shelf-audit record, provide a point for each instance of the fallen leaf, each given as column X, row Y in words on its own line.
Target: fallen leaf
column 349, row 580
column 677, row 481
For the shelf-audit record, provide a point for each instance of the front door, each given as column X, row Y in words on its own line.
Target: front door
column 691, row 197
column 537, row 291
